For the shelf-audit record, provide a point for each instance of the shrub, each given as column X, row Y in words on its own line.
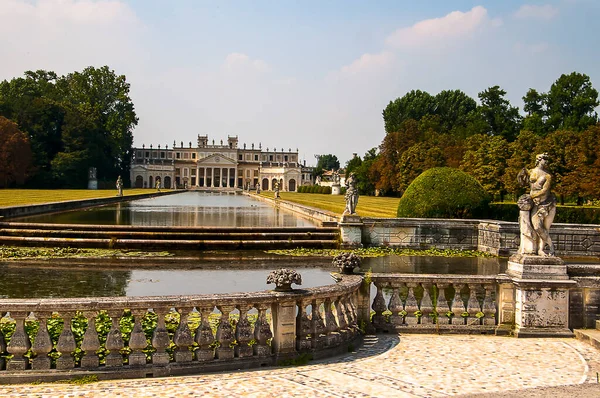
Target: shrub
column 301, row 189
column 444, row 192
column 564, row 214
column 327, row 190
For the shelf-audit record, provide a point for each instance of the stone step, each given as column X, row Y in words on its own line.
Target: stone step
column 590, row 336
column 207, row 235
column 156, row 244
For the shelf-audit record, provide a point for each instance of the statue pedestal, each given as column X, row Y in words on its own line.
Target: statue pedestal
column 351, row 231
column 93, row 183
column 541, row 296
column 336, row 189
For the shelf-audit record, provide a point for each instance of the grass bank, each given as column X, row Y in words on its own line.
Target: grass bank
column 368, row 206
column 23, row 197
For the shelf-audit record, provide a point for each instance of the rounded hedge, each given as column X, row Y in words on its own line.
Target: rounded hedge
column 444, row 192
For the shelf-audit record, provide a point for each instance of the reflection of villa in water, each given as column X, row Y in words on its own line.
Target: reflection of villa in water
column 221, row 167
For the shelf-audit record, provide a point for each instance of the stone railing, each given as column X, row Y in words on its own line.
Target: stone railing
column 50, row 339
column 430, row 303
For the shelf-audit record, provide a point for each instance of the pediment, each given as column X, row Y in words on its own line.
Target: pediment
column 217, row 159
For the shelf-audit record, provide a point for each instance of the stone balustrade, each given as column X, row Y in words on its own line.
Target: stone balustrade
column 48, row 339
column 429, row 303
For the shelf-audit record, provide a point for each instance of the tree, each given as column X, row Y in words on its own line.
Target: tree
column 15, row 157
column 365, row 173
column 522, row 155
column 502, row 118
column 454, row 107
column 571, row 103
column 352, row 164
column 414, row 105
column 415, row 160
column 486, row 161
column 327, row 162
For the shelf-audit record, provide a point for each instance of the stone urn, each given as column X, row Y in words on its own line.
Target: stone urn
column 283, row 279
column 346, row 262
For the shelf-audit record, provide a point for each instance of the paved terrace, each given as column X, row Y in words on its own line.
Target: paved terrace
column 387, row 366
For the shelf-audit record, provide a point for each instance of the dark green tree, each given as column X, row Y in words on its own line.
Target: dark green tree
column 352, row 164
column 454, row 108
column 327, row 162
column 571, row 103
column 502, row 119
column 414, row 105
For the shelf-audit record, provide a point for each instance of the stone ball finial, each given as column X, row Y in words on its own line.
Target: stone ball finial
column 346, row 262
column 283, row 279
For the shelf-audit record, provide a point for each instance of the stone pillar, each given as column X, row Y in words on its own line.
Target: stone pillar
column 212, row 177
column 541, row 296
column 351, row 231
column 284, row 327
column 197, row 176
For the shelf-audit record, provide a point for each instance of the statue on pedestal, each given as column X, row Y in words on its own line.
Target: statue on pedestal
column 276, row 189
column 537, row 209
column 351, row 195
column 119, row 187
column 157, row 185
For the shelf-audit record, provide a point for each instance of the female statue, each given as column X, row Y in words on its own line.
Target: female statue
column 351, row 195
column 537, row 209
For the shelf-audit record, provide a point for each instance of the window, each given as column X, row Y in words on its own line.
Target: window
column 270, row 158
column 177, row 171
column 247, row 156
column 185, row 172
column 178, row 155
column 240, row 173
column 248, row 173
column 147, row 154
column 139, row 154
column 256, row 158
column 285, row 158
column 193, row 172
column 186, row 155
column 255, row 173
column 162, row 155
column 194, row 155
column 169, row 155
column 240, row 157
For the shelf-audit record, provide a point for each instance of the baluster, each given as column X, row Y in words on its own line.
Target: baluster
column 442, row 308
column 2, row 346
column 318, row 329
column 66, row 343
column 411, row 306
column 396, row 307
column 90, row 343
column 183, row 337
column 473, row 307
column 137, row 340
column 303, row 342
column 114, row 340
column 19, row 343
column 262, row 333
column 379, row 307
column 426, row 305
column 160, row 339
column 42, row 344
column 225, row 333
column 205, row 337
column 243, row 334
column 489, row 308
column 333, row 337
column 458, row 305
column 341, row 314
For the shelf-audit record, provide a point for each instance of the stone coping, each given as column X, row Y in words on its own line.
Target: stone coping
column 307, row 211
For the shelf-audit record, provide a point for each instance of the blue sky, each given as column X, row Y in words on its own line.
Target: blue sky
column 313, row 75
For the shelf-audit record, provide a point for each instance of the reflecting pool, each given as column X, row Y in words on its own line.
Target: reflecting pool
column 182, row 209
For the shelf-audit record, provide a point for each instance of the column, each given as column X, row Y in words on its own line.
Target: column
column 212, row 177
column 197, row 176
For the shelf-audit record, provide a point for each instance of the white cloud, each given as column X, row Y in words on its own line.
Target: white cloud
column 545, row 12
column 367, row 62
column 66, row 35
column 438, row 31
column 242, row 62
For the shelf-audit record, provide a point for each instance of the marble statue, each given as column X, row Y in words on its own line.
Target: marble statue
column 318, row 180
column 257, row 188
column 119, row 186
column 536, row 209
column 351, row 194
column 157, row 185
column 336, row 177
column 276, row 189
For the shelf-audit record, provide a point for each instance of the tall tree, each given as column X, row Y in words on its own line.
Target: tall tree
column 454, row 107
column 486, row 160
column 571, row 103
column 522, row 155
column 414, row 105
column 15, row 156
column 502, row 118
column 352, row 164
column 327, row 162
column 366, row 174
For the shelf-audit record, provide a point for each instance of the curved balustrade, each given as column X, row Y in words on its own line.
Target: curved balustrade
column 165, row 335
column 425, row 303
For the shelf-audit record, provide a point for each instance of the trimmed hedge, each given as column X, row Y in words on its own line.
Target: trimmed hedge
column 444, row 192
column 564, row 214
column 314, row 189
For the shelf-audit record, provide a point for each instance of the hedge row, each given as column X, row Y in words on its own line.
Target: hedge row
column 564, row 214
column 314, row 189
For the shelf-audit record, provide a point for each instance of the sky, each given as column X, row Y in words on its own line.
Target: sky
column 312, row 75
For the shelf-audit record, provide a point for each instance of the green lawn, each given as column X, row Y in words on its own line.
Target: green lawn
column 20, row 197
column 368, row 206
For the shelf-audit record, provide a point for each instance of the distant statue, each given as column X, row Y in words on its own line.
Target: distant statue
column 536, row 209
column 119, row 187
column 276, row 189
column 351, row 195
column 257, row 188
column 92, row 173
column 335, row 177
column 157, row 185
column 318, row 180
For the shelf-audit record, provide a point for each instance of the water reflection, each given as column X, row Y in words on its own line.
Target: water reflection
column 183, row 209
column 20, row 281
column 435, row 265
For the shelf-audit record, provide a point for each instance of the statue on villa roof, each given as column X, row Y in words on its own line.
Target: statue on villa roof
column 536, row 209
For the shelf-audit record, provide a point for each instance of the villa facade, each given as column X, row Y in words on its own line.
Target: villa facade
column 218, row 166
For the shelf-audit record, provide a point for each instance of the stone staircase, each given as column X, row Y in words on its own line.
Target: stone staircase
column 162, row 238
column 590, row 336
